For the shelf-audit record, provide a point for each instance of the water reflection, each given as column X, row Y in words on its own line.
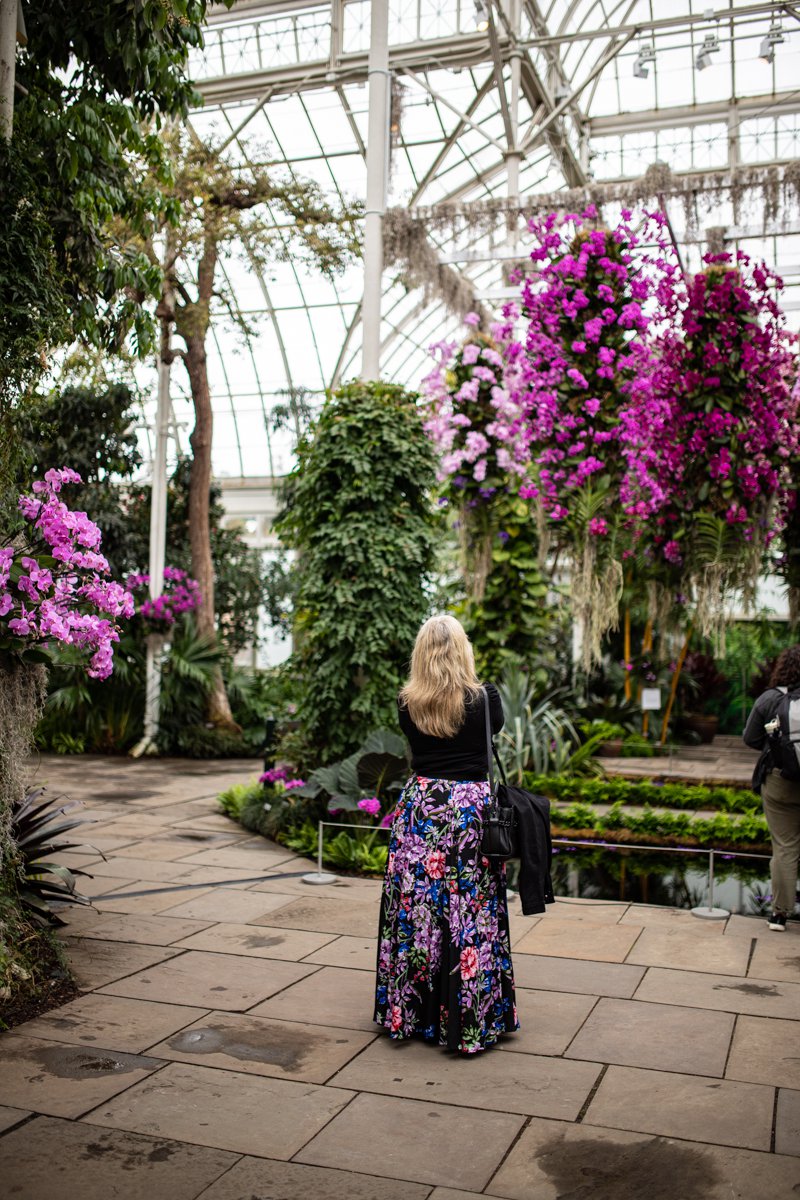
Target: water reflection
column 674, row 880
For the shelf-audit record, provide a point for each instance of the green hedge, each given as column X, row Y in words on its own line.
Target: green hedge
column 720, row 831
column 596, row 790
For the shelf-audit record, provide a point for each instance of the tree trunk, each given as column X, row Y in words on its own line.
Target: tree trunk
column 193, row 327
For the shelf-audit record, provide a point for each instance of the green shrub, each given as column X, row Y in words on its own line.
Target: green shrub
column 721, row 830
column 237, row 796
column 358, row 511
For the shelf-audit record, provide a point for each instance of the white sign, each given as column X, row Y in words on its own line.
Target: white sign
column 651, row 699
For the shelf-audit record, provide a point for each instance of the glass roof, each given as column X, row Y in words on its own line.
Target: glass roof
column 286, row 82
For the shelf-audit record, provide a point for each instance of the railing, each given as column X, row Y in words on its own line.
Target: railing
column 709, row 912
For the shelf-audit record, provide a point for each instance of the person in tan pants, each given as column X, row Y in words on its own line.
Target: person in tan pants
column 780, row 795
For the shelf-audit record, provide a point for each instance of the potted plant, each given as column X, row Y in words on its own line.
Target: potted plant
column 702, row 684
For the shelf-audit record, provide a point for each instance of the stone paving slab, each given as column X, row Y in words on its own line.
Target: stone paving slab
column 260, row 1046
column 64, row 1080
column 152, row 870
column 512, row 1083
column 141, row 928
column 663, row 1037
column 541, row 972
column 249, row 1114
column 777, row 958
column 592, row 940
column 252, row 860
column 332, row 996
column 681, row 948
column 9, row 1117
column 227, row 981
column 596, row 911
column 51, row 1157
column 787, row 1122
column 113, row 1021
column 412, row 1140
column 692, row 1107
column 172, row 847
column 224, row 904
column 143, row 897
column 355, row 915
column 267, row 1179
column 553, row 1161
column 258, row 941
column 95, row 962
column 723, row 993
column 549, row 1021
column 671, row 918
column 765, row 1050
column 361, row 953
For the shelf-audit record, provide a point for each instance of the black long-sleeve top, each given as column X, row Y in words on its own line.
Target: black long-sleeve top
column 463, row 756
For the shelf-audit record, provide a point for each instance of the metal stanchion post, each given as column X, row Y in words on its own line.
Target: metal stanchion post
column 710, row 913
column 319, row 876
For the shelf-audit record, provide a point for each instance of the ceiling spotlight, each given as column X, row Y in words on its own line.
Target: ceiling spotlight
column 773, row 39
column 481, row 16
column 710, row 46
column 647, row 54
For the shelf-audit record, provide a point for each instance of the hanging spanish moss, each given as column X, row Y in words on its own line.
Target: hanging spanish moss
column 407, row 247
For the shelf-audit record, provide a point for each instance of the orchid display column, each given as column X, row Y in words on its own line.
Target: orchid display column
column 479, row 433
column 54, row 588
column 585, row 375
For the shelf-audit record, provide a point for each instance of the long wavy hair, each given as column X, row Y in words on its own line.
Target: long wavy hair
column 786, row 672
column 442, row 677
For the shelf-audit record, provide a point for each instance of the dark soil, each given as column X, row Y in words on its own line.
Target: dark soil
column 48, row 984
column 28, row 1005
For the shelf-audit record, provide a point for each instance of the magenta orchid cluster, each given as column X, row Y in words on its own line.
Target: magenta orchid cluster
column 624, row 398
column 278, row 777
column 180, row 595
column 725, row 424
column 54, row 585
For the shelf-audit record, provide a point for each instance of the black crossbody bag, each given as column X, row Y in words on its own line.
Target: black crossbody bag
column 500, row 837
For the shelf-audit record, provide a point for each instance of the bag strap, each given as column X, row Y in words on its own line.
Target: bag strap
column 489, row 742
column 491, row 751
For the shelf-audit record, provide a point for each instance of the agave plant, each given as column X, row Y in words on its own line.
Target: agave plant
column 36, row 829
column 538, row 735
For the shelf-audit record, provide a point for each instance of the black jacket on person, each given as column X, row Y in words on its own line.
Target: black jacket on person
column 535, row 848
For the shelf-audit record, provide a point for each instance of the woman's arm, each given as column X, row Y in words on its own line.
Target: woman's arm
column 496, row 714
column 762, row 711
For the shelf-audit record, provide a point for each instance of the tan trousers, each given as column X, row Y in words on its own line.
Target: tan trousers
column 781, row 800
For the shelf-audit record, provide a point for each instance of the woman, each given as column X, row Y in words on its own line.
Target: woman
column 780, row 796
column 444, row 958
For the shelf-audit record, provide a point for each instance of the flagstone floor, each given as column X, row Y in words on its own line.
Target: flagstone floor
column 222, row 1045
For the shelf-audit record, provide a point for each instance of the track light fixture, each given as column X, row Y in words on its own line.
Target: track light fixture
column 647, row 54
column 710, row 46
column 768, row 44
column 481, row 16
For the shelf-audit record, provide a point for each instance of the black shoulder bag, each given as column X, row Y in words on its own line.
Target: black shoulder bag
column 500, row 839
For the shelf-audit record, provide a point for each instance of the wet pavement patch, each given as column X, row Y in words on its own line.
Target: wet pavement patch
column 749, row 989
column 72, row 1062
column 589, row 1169
column 289, row 1053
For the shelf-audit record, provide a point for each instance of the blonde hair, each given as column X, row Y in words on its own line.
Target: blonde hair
column 442, row 675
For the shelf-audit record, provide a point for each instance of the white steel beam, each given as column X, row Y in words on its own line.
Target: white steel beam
column 377, row 178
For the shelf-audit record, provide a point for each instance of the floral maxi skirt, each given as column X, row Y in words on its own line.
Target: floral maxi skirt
column 444, row 951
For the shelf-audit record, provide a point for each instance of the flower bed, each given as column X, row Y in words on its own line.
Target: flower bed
column 596, row 790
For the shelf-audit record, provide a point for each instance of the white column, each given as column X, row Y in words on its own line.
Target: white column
column 377, row 175
column 8, row 59
column 513, row 157
column 158, row 541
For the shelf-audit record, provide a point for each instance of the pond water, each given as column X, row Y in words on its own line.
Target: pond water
column 674, row 880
